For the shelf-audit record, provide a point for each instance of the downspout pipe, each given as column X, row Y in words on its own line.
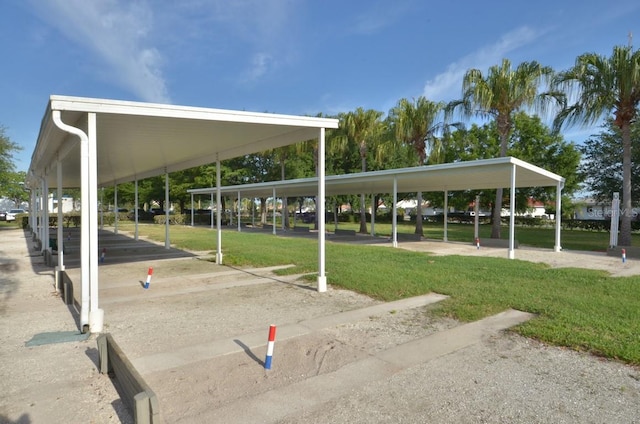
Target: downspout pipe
column 84, row 216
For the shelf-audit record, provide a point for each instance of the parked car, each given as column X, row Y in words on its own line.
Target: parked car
column 3, row 215
column 142, row 215
column 11, row 215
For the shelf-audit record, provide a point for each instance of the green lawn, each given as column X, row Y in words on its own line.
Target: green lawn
column 581, row 309
column 530, row 236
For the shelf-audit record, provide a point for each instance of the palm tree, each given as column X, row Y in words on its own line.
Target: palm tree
column 498, row 95
column 283, row 154
column 601, row 85
column 362, row 127
column 416, row 123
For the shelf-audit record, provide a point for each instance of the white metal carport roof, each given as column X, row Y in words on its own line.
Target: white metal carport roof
column 140, row 140
column 471, row 175
column 88, row 143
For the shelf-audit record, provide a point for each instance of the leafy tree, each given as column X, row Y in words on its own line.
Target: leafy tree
column 13, row 187
column 292, row 164
column 601, row 85
column 534, row 142
column 531, row 141
column 7, row 166
column 179, row 183
column 152, row 190
column 601, row 168
column 498, row 95
column 416, row 123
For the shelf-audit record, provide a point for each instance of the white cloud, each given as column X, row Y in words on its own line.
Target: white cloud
column 447, row 85
column 264, row 26
column 116, row 32
column 260, row 65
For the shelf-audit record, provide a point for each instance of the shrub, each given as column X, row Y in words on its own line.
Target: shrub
column 177, row 219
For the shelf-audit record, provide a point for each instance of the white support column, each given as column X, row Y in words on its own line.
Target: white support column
column 136, row 206
column 274, row 211
column 36, row 212
column 212, row 220
column 253, row 211
column 512, row 215
column 89, row 319
column 44, row 225
column 394, row 217
column 101, row 208
column 89, row 225
column 115, row 209
column 35, row 226
column 476, row 219
column 446, row 216
column 558, row 245
column 239, row 200
column 85, row 247
column 96, row 315
column 167, row 240
column 33, row 208
column 192, row 211
column 615, row 220
column 373, row 215
column 218, row 213
column 39, row 212
column 60, row 232
column 45, row 215
column 322, row 278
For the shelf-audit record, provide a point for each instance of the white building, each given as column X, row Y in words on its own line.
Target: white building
column 67, row 204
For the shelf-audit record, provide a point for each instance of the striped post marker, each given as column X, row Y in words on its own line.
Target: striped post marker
column 102, row 255
column 272, row 339
column 477, row 243
column 149, row 274
column 624, row 255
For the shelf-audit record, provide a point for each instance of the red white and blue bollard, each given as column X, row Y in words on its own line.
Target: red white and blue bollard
column 624, row 255
column 477, row 243
column 146, row 284
column 272, row 339
column 102, row 255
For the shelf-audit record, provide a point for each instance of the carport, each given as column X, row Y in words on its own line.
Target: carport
column 92, row 143
column 473, row 175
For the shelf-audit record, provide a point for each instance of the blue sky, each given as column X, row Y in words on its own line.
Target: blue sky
column 283, row 56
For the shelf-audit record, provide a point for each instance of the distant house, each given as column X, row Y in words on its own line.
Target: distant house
column 409, row 206
column 67, row 204
column 535, row 209
column 591, row 209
